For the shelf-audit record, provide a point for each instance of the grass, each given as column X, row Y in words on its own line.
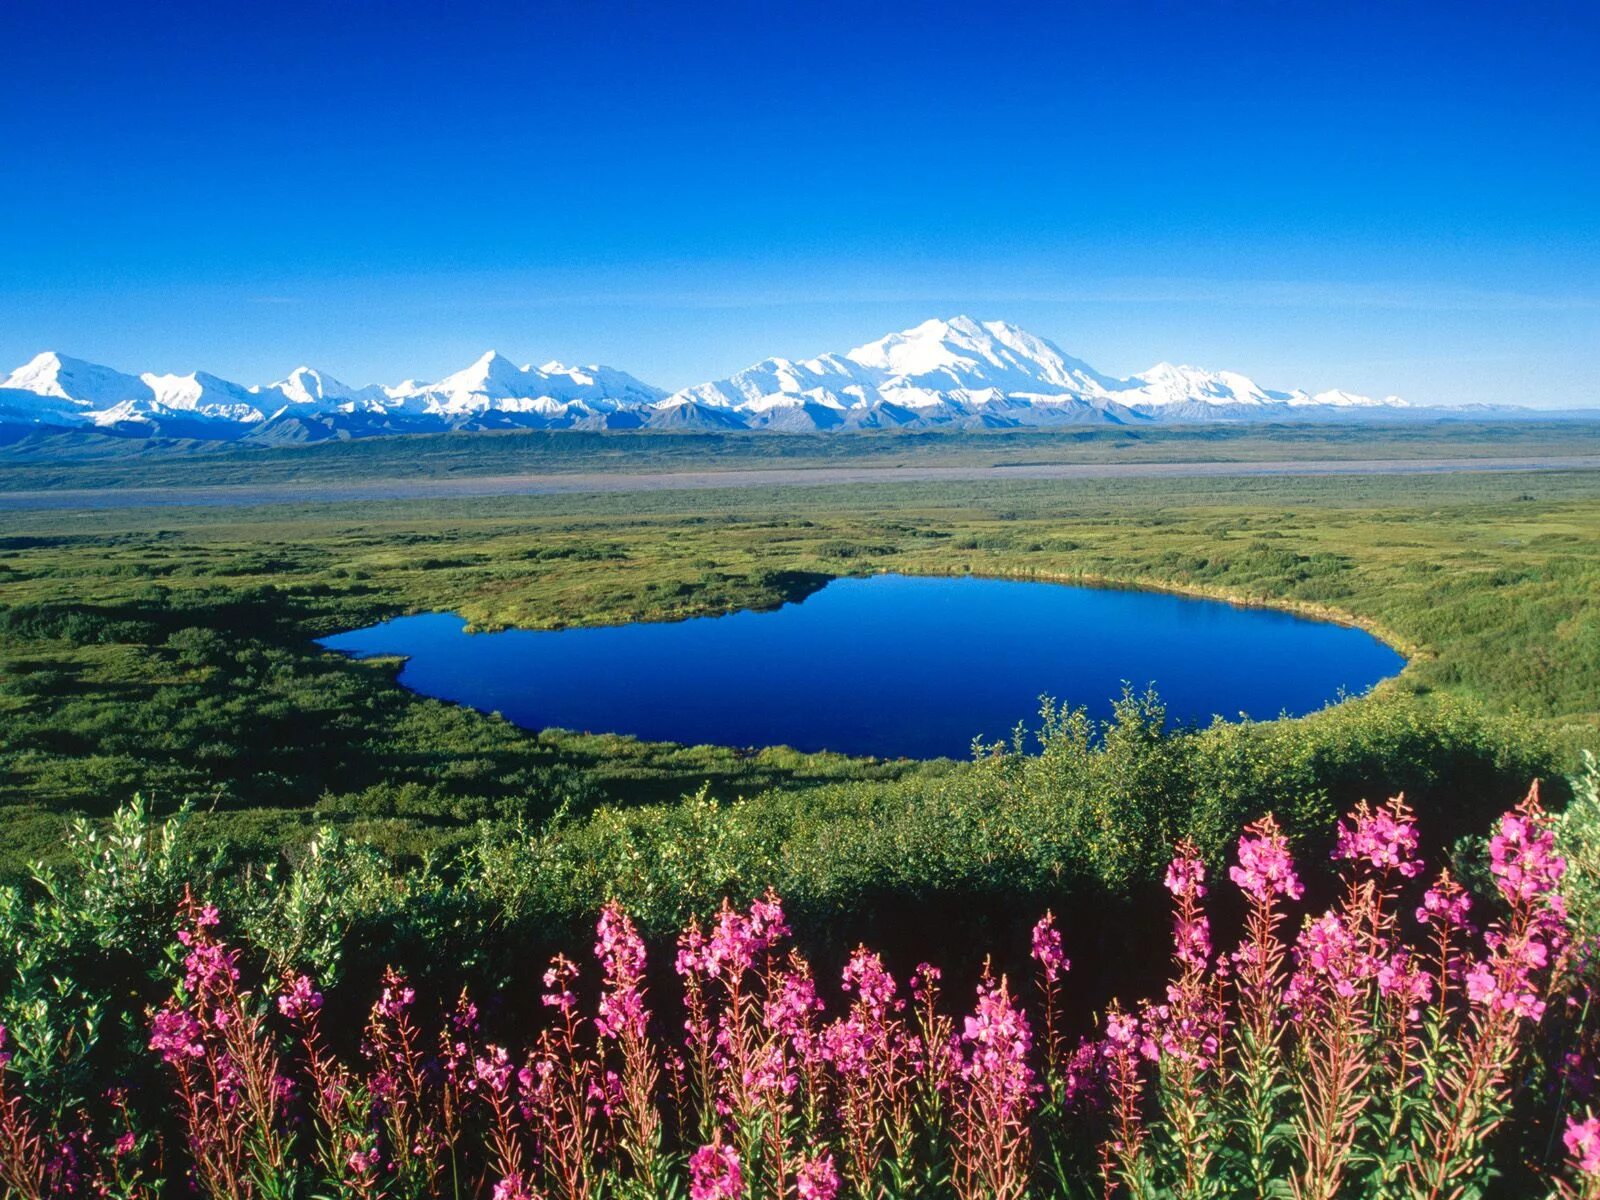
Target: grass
column 169, row 651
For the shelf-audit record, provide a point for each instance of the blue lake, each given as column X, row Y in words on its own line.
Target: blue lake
column 889, row 665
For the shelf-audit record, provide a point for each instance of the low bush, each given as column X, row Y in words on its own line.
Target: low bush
column 1410, row 1039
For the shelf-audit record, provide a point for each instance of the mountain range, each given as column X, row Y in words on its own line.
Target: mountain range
column 956, row 373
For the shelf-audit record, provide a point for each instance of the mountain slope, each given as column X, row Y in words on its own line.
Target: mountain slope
column 310, row 405
column 495, row 383
column 310, row 389
column 953, row 373
column 962, row 372
column 83, row 385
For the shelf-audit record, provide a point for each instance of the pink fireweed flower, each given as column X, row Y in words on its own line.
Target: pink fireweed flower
column 492, row 1070
column 1445, row 901
column 817, row 1179
column 1047, row 948
column 536, row 1082
column 766, row 918
column 995, row 1042
column 1582, row 1139
column 849, row 1044
column 768, row 1071
column 1328, row 953
column 618, row 945
column 622, row 959
column 691, row 958
column 124, row 1145
column 1186, row 874
column 865, row 975
column 715, row 1174
column 1122, row 1031
column 605, row 1094
column 512, row 1187
column 856, row 1044
column 1328, row 947
column 735, row 942
column 394, row 1000
column 176, row 1035
column 208, row 967
column 64, row 1168
column 1084, row 1077
column 1480, row 984
column 1192, row 941
column 558, row 979
column 789, row 1010
column 925, row 982
column 1265, row 868
column 283, row 1088
column 1384, row 838
column 206, row 917
column 464, row 1017
column 1505, row 981
column 300, row 999
column 1185, row 1028
column 621, row 1011
column 1522, row 855
column 1400, row 978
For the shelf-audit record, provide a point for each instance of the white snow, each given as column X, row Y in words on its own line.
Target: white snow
column 495, row 383
column 86, row 384
column 954, row 369
column 971, row 366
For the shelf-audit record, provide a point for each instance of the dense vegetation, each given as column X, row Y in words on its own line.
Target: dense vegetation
column 161, row 1030
column 344, row 825
column 177, row 660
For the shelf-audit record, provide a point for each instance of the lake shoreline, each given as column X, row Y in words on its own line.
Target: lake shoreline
column 888, row 665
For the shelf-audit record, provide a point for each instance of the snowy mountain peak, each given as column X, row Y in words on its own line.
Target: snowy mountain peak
column 204, row 395
column 1343, row 399
column 41, row 374
column 309, row 387
column 1167, row 384
column 83, row 383
column 964, row 371
column 491, row 367
column 971, row 355
column 954, row 372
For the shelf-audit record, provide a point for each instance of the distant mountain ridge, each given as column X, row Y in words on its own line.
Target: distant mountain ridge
column 955, row 373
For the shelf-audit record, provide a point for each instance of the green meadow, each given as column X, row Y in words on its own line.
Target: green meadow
column 168, row 652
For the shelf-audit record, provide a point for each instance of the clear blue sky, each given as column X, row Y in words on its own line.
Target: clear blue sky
column 1392, row 198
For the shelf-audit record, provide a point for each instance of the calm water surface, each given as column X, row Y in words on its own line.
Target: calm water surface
column 891, row 665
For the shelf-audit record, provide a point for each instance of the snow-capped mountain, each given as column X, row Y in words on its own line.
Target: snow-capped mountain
column 966, row 372
column 82, row 384
column 310, row 405
column 1167, row 384
column 201, row 395
column 928, row 369
column 937, row 357
column 307, row 387
column 495, row 383
column 72, row 391
column 956, row 373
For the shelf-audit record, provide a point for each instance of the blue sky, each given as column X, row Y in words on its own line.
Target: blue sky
column 1391, row 198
